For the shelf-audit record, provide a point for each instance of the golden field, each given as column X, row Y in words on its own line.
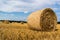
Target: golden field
column 18, row 31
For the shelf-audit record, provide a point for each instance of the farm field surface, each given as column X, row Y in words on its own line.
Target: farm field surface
column 18, row 31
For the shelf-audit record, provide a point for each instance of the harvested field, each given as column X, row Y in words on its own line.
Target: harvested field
column 18, row 31
column 22, row 31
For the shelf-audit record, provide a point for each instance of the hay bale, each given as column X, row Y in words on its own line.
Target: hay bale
column 6, row 22
column 44, row 20
column 22, row 22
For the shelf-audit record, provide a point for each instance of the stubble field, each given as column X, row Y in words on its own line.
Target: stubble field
column 18, row 31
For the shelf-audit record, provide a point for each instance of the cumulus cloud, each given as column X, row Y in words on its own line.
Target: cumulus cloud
column 21, row 5
column 26, row 6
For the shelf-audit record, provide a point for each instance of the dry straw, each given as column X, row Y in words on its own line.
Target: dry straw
column 6, row 21
column 44, row 20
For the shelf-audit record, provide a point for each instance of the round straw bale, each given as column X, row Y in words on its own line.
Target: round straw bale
column 6, row 21
column 44, row 20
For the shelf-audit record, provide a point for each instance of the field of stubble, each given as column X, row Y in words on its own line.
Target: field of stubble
column 18, row 31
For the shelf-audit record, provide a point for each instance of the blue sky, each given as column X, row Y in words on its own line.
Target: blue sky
column 20, row 9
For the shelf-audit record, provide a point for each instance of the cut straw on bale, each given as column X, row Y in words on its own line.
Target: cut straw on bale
column 44, row 20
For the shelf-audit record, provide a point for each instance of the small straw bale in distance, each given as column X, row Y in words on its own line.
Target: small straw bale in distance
column 6, row 21
column 44, row 20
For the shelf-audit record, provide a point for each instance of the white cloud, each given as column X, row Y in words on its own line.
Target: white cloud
column 21, row 5
column 25, row 6
column 25, row 11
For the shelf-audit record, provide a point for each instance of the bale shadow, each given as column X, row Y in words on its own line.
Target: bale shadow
column 42, row 30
